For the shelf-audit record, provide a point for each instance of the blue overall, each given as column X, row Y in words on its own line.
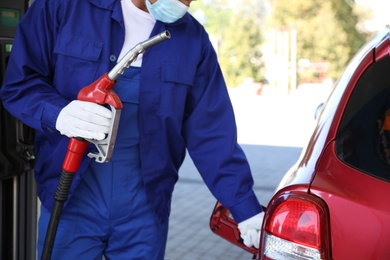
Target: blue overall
column 109, row 213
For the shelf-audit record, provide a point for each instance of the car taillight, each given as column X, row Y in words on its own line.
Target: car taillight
column 296, row 227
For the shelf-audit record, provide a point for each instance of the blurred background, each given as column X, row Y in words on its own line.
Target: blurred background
column 278, row 45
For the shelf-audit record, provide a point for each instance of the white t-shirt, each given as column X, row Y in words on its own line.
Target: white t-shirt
column 138, row 25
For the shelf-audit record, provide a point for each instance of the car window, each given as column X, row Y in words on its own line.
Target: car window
column 363, row 138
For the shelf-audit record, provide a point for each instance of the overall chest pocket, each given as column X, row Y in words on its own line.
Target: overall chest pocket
column 177, row 81
column 77, row 63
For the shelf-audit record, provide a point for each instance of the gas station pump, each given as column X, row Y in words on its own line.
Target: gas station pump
column 18, row 200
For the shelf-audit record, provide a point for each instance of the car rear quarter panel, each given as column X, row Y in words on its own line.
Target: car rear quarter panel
column 359, row 209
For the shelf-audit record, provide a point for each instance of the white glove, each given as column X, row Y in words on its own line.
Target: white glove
column 84, row 119
column 250, row 230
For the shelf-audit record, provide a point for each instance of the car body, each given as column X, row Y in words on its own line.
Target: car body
column 334, row 202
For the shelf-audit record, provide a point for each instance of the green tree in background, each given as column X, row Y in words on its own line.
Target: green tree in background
column 326, row 30
column 240, row 48
column 348, row 19
column 236, row 27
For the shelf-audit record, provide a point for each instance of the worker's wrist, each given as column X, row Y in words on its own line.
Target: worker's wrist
column 50, row 114
column 246, row 209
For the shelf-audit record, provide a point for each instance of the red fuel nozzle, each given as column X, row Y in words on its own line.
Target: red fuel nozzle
column 100, row 92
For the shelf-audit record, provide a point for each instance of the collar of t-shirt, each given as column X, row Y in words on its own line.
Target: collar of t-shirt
column 138, row 26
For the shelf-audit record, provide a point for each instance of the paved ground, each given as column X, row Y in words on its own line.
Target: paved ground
column 272, row 131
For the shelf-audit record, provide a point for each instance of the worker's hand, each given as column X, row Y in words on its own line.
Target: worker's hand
column 84, row 119
column 250, row 230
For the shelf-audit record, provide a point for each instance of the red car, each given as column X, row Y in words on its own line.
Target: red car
column 334, row 203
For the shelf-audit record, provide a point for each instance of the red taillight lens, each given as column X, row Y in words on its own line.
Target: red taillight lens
column 299, row 222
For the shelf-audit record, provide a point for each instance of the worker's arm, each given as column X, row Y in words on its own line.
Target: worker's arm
column 28, row 91
column 211, row 137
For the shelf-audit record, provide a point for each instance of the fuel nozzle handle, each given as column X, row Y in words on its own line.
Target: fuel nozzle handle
column 132, row 55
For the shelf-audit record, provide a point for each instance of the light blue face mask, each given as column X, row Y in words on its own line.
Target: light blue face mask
column 167, row 11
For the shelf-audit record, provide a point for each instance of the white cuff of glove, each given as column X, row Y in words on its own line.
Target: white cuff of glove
column 84, row 119
column 250, row 230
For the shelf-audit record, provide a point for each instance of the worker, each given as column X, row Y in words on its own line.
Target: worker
column 174, row 99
